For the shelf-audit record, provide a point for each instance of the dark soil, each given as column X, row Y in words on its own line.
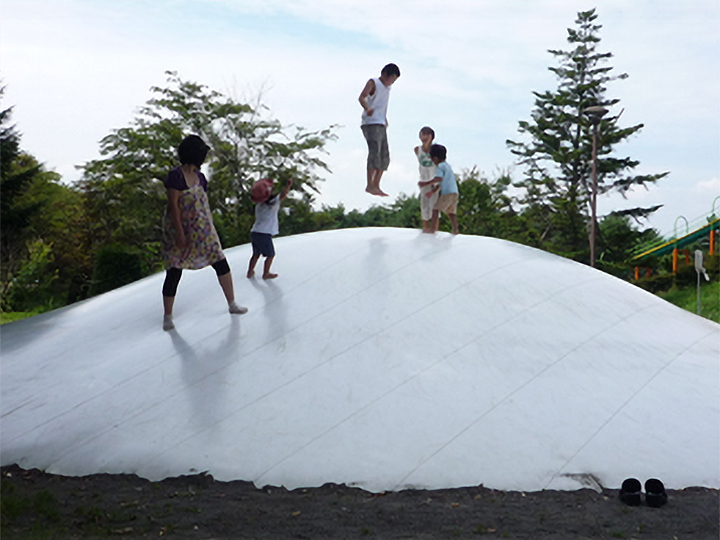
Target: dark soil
column 39, row 505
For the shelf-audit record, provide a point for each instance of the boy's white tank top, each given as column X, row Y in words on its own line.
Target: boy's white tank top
column 379, row 102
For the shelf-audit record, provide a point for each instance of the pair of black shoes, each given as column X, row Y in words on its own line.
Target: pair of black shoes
column 655, row 495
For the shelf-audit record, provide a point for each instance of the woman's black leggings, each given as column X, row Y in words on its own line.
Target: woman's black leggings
column 173, row 275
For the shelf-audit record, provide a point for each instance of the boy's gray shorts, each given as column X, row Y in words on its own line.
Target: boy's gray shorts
column 378, row 151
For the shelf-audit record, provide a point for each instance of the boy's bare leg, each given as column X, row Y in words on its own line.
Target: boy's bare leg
column 435, row 221
column 251, row 266
column 370, row 179
column 376, row 183
column 373, row 182
column 266, row 272
column 454, row 221
column 427, row 226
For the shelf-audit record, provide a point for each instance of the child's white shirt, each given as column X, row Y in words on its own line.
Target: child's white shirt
column 425, row 165
column 266, row 217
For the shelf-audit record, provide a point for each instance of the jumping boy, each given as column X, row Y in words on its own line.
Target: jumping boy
column 445, row 179
column 266, row 224
column 374, row 101
column 427, row 172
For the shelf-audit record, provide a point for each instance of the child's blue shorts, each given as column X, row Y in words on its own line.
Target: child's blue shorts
column 262, row 244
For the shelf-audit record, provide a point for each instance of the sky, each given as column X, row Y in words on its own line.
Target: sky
column 75, row 70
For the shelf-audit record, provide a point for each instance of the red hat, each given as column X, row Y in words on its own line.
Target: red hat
column 261, row 190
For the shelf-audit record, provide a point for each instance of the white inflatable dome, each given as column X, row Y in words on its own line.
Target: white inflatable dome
column 380, row 358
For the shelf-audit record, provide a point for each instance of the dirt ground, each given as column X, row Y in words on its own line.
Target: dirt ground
column 38, row 505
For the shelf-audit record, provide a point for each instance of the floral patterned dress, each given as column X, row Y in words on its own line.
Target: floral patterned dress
column 203, row 244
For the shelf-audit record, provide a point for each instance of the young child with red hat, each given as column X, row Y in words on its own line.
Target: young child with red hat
column 266, row 224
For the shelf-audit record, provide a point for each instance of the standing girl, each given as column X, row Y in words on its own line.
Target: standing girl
column 189, row 237
column 427, row 173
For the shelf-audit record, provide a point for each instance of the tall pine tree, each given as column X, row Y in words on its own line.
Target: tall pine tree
column 15, row 212
column 557, row 158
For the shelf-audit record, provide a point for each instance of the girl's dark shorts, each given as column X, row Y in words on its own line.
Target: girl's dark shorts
column 262, row 244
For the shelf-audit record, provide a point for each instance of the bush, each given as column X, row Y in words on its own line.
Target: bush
column 33, row 287
column 656, row 283
column 115, row 265
column 686, row 276
column 712, row 266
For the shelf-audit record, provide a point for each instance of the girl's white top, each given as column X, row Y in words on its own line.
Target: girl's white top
column 425, row 165
column 379, row 102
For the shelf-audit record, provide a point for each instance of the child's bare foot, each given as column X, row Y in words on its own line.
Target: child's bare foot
column 250, row 273
column 269, row 276
column 376, row 191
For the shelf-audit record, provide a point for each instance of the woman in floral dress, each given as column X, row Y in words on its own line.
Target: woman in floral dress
column 190, row 240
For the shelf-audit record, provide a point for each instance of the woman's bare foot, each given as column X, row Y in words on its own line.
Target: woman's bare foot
column 250, row 273
column 235, row 309
column 168, row 323
column 269, row 276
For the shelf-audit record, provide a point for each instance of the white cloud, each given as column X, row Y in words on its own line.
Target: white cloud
column 710, row 187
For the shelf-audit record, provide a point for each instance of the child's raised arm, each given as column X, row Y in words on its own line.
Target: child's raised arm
column 284, row 192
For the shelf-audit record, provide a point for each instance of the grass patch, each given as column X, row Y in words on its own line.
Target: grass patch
column 38, row 516
column 47, row 505
column 686, row 298
column 11, row 316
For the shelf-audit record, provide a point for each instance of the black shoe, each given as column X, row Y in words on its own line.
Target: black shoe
column 655, row 495
column 630, row 492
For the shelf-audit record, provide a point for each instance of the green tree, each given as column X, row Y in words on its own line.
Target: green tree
column 404, row 212
column 27, row 264
column 556, row 158
column 125, row 194
column 34, row 286
column 16, row 176
column 42, row 228
column 485, row 208
column 618, row 238
column 63, row 225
